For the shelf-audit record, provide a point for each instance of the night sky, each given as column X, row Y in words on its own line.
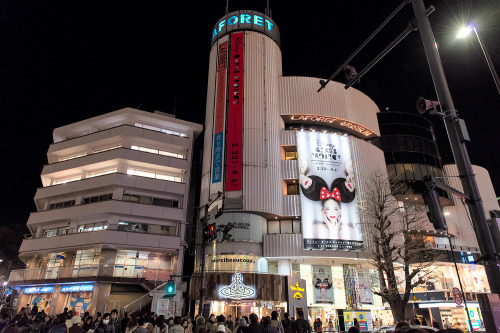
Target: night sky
column 65, row 61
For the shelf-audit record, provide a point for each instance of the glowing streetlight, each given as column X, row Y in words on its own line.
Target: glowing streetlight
column 465, row 31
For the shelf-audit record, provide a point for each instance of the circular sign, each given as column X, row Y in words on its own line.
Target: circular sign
column 348, row 317
column 471, row 313
column 455, row 291
column 363, row 326
column 458, row 301
column 361, row 316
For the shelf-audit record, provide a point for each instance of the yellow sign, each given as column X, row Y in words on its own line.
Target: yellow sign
column 297, row 288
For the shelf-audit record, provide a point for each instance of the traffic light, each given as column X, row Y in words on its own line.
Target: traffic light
column 225, row 232
column 170, row 287
column 209, row 233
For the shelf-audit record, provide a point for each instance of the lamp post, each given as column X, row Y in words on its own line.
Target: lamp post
column 465, row 31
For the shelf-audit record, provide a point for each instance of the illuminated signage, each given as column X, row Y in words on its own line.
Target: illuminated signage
column 298, row 291
column 339, row 123
column 38, row 290
column 237, row 289
column 245, row 20
column 78, row 287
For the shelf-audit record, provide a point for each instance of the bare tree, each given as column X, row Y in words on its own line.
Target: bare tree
column 393, row 241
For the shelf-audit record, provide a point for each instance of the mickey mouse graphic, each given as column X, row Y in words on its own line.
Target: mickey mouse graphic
column 342, row 190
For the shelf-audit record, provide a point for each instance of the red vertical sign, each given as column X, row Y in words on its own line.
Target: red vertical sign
column 235, row 114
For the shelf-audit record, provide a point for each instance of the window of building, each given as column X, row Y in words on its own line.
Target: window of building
column 132, row 227
column 92, row 227
column 158, row 152
column 284, row 227
column 63, row 204
column 102, row 172
column 106, row 149
column 86, row 262
column 97, row 198
column 163, row 130
column 151, row 200
column 130, row 263
column 65, row 158
column 55, row 232
column 66, row 180
column 289, row 152
column 150, row 174
column 292, row 189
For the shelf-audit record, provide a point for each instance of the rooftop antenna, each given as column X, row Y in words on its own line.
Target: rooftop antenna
column 268, row 11
column 227, row 7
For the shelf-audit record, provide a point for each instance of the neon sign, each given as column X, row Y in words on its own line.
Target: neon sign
column 237, row 289
column 245, row 20
column 297, row 290
column 38, row 290
column 78, row 287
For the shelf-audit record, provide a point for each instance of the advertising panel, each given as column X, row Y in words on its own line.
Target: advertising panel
column 297, row 294
column 219, row 120
column 365, row 286
column 237, row 263
column 330, row 219
column 235, row 113
column 323, row 286
column 364, row 319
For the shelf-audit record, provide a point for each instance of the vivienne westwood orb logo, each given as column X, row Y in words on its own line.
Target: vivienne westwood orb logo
column 237, row 290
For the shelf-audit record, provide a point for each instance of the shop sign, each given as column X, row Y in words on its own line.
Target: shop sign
column 237, row 263
column 330, row 219
column 79, row 287
column 364, row 320
column 234, row 165
column 335, row 122
column 296, row 295
column 38, row 290
column 237, row 289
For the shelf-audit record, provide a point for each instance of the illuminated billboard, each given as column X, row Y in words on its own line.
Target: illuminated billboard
column 330, row 219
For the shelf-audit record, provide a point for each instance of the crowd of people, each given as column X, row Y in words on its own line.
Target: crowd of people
column 31, row 320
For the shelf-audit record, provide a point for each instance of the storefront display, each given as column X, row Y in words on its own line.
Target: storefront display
column 364, row 320
column 322, row 282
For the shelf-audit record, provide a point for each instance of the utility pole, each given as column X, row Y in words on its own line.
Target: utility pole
column 457, row 135
column 203, row 265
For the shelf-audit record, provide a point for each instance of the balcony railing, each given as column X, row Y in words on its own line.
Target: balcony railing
column 85, row 271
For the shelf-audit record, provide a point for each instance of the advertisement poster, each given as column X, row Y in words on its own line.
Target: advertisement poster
column 330, row 219
column 219, row 120
column 235, row 114
column 42, row 301
column 364, row 319
column 323, row 285
column 80, row 301
column 365, row 291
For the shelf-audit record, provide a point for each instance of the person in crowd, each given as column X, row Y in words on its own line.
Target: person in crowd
column 200, row 324
column 88, row 323
column 221, row 320
column 275, row 322
column 170, row 322
column 141, row 326
column 266, row 325
column 287, row 323
column 160, row 325
column 402, row 325
column 65, row 312
column 302, row 325
column 59, row 325
column 34, row 309
column 46, row 324
column 242, row 326
column 318, row 325
column 115, row 321
column 177, row 328
column 105, row 325
column 435, row 323
column 353, row 329
column 131, row 325
column 24, row 325
column 22, row 312
column 77, row 327
column 28, row 308
column 124, row 322
column 254, row 326
column 189, row 328
column 37, row 325
column 355, row 322
column 229, row 323
column 4, row 320
column 210, row 322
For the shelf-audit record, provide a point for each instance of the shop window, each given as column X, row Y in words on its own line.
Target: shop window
column 132, row 227
column 55, row 232
column 97, row 198
column 272, row 267
column 289, row 153
column 130, row 263
column 92, row 227
column 151, row 200
column 286, row 226
column 63, row 204
column 296, row 227
column 273, row 227
column 292, row 189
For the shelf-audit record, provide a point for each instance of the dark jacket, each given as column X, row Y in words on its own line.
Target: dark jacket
column 255, row 328
column 200, row 323
column 58, row 329
column 101, row 328
column 243, row 329
column 76, row 329
column 302, row 326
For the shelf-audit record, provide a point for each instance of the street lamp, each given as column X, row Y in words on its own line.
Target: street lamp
column 464, row 32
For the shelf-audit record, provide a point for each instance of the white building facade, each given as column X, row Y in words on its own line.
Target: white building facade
column 111, row 216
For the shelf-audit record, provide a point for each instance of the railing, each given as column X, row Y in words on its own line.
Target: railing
column 143, row 300
column 68, row 272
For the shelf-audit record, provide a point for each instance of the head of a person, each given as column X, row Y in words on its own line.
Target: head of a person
column 184, row 323
column 353, row 329
column 402, row 324
column 246, row 318
column 89, row 319
column 221, row 319
column 243, row 322
column 355, row 320
column 177, row 320
column 300, row 313
column 46, row 319
column 170, row 321
column 141, row 321
column 254, row 319
column 202, row 330
column 65, row 309
column 286, row 315
column 200, row 320
column 114, row 314
column 190, row 320
column 28, row 305
column 229, row 317
column 266, row 321
column 160, row 320
column 105, row 318
column 274, row 315
column 211, row 318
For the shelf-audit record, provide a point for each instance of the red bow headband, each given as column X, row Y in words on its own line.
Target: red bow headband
column 324, row 194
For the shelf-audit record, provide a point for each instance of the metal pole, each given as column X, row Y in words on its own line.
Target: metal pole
column 478, row 216
column 490, row 63
column 203, row 268
column 459, row 280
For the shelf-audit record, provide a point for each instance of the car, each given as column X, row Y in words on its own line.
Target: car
column 391, row 328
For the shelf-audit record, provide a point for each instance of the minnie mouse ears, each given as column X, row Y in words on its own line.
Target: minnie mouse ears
column 319, row 190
